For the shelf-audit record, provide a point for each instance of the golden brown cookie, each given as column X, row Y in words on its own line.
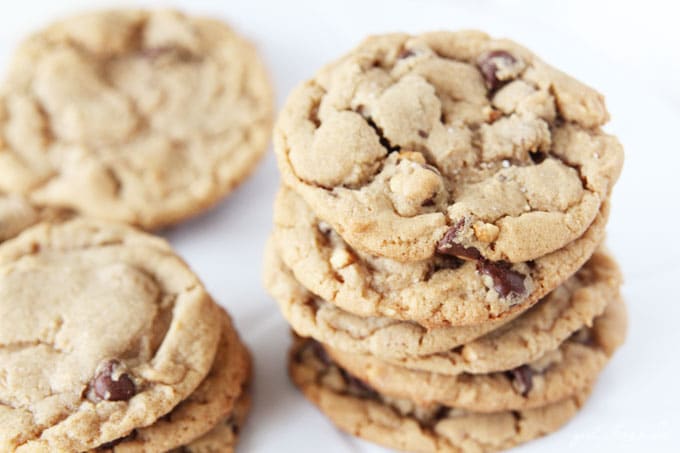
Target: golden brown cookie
column 560, row 373
column 448, row 143
column 404, row 425
column 103, row 329
column 436, row 292
column 145, row 117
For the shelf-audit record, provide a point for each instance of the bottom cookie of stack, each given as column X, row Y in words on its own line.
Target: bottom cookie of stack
column 402, row 424
column 209, row 420
column 420, row 410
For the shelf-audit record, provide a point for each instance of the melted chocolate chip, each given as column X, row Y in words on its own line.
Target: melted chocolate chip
column 538, row 156
column 522, row 379
column 506, row 281
column 488, row 66
column 111, row 385
column 448, row 246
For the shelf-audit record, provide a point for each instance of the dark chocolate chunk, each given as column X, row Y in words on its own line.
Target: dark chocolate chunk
column 506, row 281
column 447, row 245
column 488, row 66
column 522, row 379
column 538, row 156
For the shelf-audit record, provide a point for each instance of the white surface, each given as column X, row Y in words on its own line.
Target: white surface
column 628, row 50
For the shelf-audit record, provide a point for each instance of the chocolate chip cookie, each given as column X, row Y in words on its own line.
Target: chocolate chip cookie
column 452, row 144
column 103, row 330
column 436, row 292
column 145, row 117
column 404, row 425
column 543, row 327
column 208, row 408
column 572, row 367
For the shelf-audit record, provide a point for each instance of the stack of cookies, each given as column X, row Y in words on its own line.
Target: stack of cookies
column 108, row 341
column 437, row 242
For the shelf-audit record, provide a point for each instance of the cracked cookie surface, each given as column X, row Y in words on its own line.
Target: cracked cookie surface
column 436, row 292
column 403, row 425
column 207, row 408
column 558, row 374
column 145, row 117
column 103, row 329
column 450, row 143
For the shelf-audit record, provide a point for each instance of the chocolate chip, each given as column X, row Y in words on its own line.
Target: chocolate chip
column 522, row 379
column 538, row 156
column 447, row 245
column 112, row 385
column 429, row 202
column 423, row 133
column 506, row 281
column 488, row 66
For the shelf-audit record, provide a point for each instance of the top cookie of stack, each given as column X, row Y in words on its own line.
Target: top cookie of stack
column 466, row 172
column 143, row 117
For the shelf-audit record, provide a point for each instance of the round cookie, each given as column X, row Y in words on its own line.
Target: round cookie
column 145, row 117
column 541, row 328
column 103, row 329
column 528, row 337
column 405, row 426
column 453, row 143
column 223, row 437
column 559, row 374
column 206, row 408
column 437, row 292
column 310, row 316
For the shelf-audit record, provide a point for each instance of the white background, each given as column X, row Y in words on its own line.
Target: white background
column 628, row 50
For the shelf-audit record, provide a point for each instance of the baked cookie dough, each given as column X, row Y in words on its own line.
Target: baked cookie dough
column 449, row 143
column 207, row 408
column 403, row 425
column 572, row 367
column 103, row 329
column 543, row 327
column 436, row 292
column 145, row 117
